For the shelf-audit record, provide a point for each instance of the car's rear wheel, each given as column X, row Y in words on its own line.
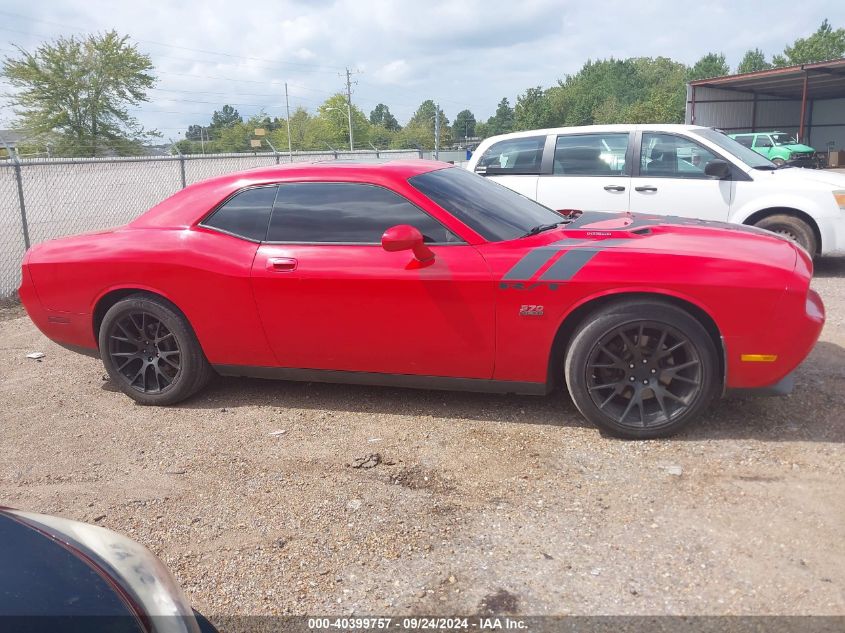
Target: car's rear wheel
column 641, row 369
column 794, row 228
column 150, row 351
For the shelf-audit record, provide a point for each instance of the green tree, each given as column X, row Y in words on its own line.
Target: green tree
column 222, row 119
column 711, row 65
column 80, row 90
column 532, row 110
column 381, row 116
column 752, row 61
column 826, row 43
column 331, row 125
column 502, row 121
column 464, row 125
column 419, row 132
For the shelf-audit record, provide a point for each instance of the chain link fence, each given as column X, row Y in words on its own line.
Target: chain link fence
column 41, row 199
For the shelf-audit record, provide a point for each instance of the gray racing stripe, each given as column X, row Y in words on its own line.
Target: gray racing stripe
column 569, row 264
column 535, row 259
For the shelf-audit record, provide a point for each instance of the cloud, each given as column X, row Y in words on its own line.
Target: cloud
column 464, row 54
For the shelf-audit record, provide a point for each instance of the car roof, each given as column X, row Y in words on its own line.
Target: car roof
column 615, row 127
column 182, row 208
column 399, row 168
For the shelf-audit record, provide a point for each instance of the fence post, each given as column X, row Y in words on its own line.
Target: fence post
column 19, row 180
column 275, row 153
column 181, row 163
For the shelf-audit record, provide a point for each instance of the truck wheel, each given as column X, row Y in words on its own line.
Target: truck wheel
column 794, row 228
column 641, row 369
column 779, row 162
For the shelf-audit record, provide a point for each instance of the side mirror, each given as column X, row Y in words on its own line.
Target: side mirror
column 717, row 168
column 404, row 237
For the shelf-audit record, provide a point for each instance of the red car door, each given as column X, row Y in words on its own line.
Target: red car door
column 330, row 297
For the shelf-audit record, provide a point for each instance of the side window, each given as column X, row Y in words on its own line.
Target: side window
column 670, row 156
column 591, row 154
column 513, row 156
column 763, row 141
column 744, row 139
column 356, row 213
column 246, row 214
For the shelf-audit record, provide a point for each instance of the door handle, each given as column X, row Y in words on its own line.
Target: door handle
column 614, row 188
column 645, row 188
column 281, row 264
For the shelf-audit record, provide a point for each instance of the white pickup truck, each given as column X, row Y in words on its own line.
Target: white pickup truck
column 680, row 170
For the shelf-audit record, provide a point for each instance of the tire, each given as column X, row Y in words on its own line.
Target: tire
column 641, row 369
column 779, row 162
column 164, row 366
column 794, row 228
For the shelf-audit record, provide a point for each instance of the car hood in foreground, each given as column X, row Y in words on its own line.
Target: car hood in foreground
column 674, row 235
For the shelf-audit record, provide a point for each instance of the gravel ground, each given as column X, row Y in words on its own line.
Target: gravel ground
column 273, row 497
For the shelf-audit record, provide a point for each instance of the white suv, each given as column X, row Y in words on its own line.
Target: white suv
column 680, row 170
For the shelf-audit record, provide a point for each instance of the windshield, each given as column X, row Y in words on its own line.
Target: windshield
column 491, row 210
column 784, row 139
column 745, row 154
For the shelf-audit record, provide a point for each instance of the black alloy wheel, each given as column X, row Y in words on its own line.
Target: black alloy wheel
column 144, row 352
column 151, row 352
column 641, row 368
column 644, row 374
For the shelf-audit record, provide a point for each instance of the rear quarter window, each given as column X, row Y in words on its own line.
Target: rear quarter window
column 246, row 214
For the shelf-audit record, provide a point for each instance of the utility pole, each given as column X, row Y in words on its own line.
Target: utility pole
column 287, row 109
column 436, row 131
column 349, row 83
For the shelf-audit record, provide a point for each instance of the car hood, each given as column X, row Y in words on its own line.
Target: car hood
column 798, row 147
column 797, row 174
column 675, row 235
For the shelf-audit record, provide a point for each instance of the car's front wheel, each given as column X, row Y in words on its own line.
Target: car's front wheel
column 641, row 369
column 150, row 351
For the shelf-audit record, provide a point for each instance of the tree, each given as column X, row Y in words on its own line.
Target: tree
column 711, row 65
column 222, row 119
column 80, row 89
column 331, row 125
column 381, row 116
column 532, row 110
column 822, row 45
column 752, row 61
column 194, row 133
column 464, row 125
column 420, row 129
column 502, row 121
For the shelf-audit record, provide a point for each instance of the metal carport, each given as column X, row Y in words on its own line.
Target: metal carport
column 806, row 100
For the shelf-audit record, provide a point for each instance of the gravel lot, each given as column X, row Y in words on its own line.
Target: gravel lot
column 469, row 503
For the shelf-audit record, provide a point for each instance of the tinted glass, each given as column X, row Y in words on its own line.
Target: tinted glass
column 246, row 214
column 491, row 210
column 514, row 156
column 745, row 140
column 747, row 156
column 590, row 155
column 346, row 213
column 763, row 141
column 38, row 576
column 670, row 156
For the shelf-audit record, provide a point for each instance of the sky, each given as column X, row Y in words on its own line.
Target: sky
column 461, row 53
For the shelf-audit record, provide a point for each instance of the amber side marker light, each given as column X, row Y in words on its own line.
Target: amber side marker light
column 759, row 358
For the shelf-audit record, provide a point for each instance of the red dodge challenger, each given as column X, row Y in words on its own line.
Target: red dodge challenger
column 418, row 274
